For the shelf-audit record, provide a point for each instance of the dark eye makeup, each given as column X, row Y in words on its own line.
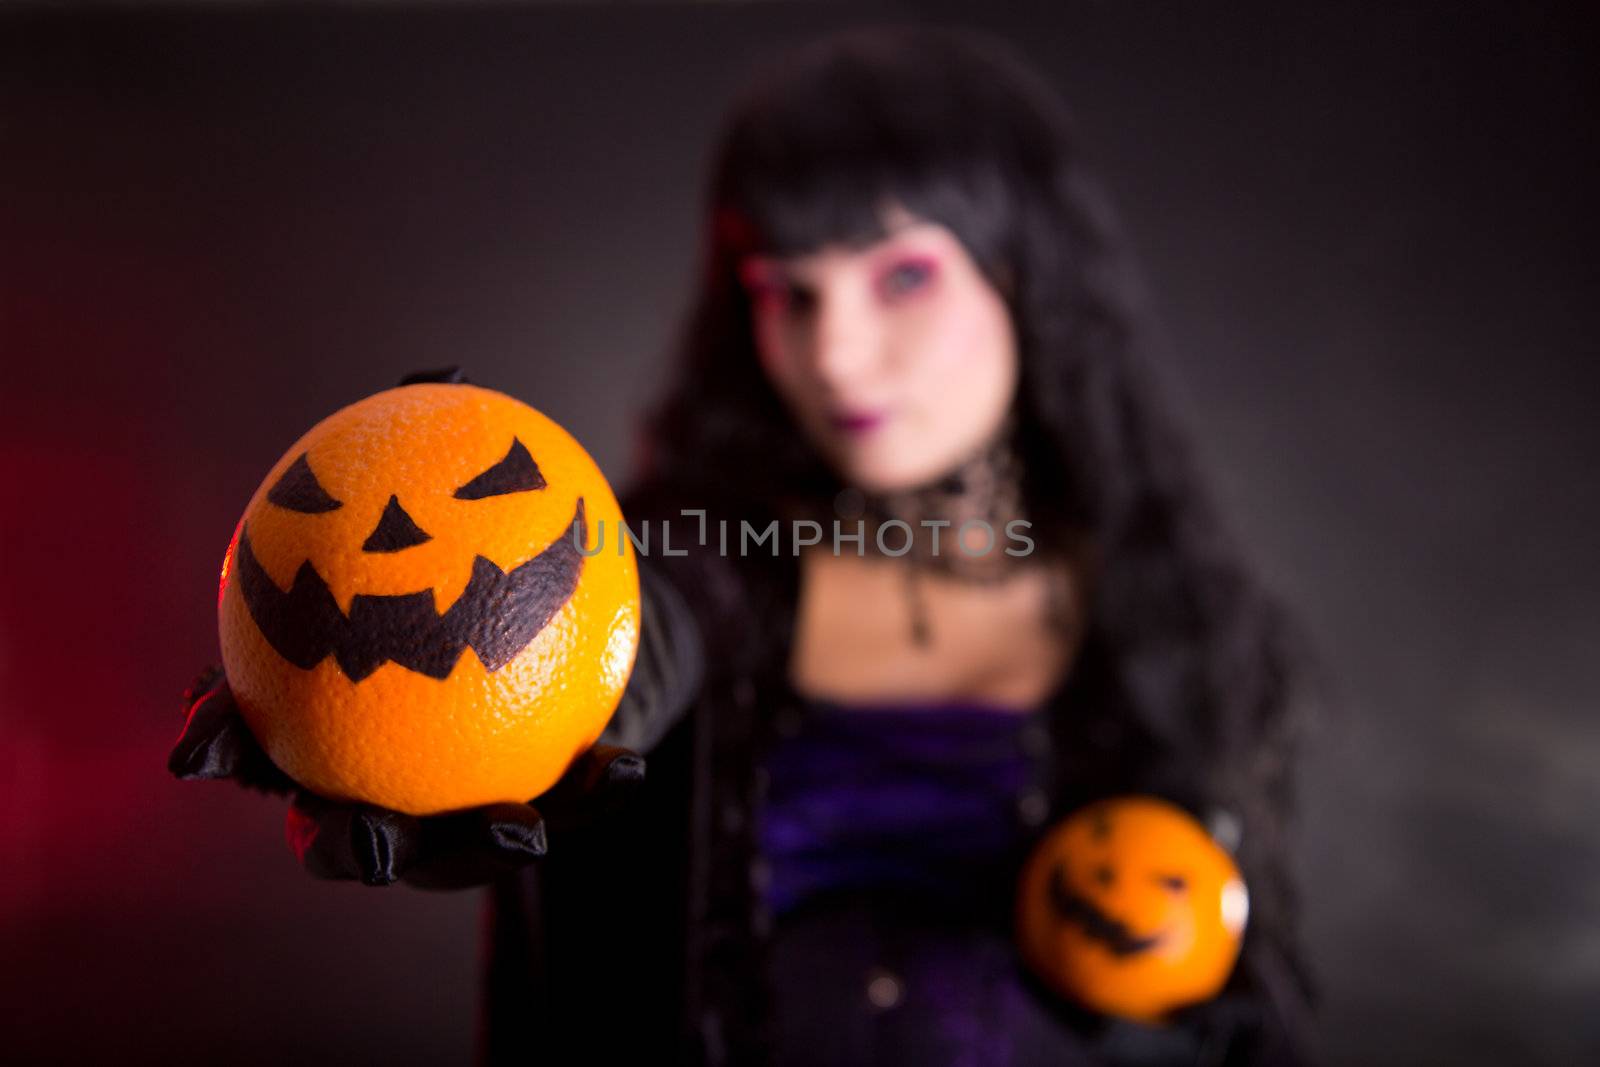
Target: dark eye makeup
column 906, row 276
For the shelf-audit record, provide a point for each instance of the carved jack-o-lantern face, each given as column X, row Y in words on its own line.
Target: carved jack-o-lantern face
column 406, row 617
column 1129, row 908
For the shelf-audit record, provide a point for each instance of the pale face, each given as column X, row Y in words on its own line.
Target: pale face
column 896, row 360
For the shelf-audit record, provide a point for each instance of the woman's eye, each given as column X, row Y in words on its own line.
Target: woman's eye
column 906, row 277
column 783, row 298
column 800, row 301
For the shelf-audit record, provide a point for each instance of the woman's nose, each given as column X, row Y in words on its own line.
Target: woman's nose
column 845, row 343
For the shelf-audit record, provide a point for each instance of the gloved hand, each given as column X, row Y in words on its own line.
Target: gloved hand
column 376, row 845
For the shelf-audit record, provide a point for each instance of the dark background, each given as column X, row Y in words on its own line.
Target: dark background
column 1365, row 232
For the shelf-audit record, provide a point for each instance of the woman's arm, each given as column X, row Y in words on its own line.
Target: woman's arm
column 668, row 670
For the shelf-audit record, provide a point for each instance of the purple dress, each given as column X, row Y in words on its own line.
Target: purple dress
column 892, row 836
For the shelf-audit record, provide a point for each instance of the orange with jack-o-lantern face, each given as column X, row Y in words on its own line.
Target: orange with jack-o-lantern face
column 406, row 616
column 1130, row 908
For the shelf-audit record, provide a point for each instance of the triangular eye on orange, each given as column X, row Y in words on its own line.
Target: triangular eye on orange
column 406, row 616
column 1129, row 907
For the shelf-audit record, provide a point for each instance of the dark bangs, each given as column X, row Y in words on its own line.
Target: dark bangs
column 947, row 131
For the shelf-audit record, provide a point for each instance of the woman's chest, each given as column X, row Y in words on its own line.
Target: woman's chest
column 1006, row 643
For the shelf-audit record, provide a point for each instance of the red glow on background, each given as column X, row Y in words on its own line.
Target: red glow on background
column 73, row 652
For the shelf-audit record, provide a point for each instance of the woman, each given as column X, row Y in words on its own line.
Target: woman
column 911, row 322
column 911, row 309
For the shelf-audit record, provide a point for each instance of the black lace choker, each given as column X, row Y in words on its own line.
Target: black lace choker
column 959, row 525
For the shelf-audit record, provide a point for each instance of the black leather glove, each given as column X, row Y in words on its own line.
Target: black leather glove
column 378, row 846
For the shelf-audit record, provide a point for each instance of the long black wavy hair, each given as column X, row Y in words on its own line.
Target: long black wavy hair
column 1187, row 681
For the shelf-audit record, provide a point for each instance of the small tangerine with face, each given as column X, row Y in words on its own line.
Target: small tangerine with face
column 1129, row 907
column 417, row 609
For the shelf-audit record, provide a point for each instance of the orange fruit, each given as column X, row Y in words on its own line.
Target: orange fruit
column 1130, row 908
column 406, row 617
